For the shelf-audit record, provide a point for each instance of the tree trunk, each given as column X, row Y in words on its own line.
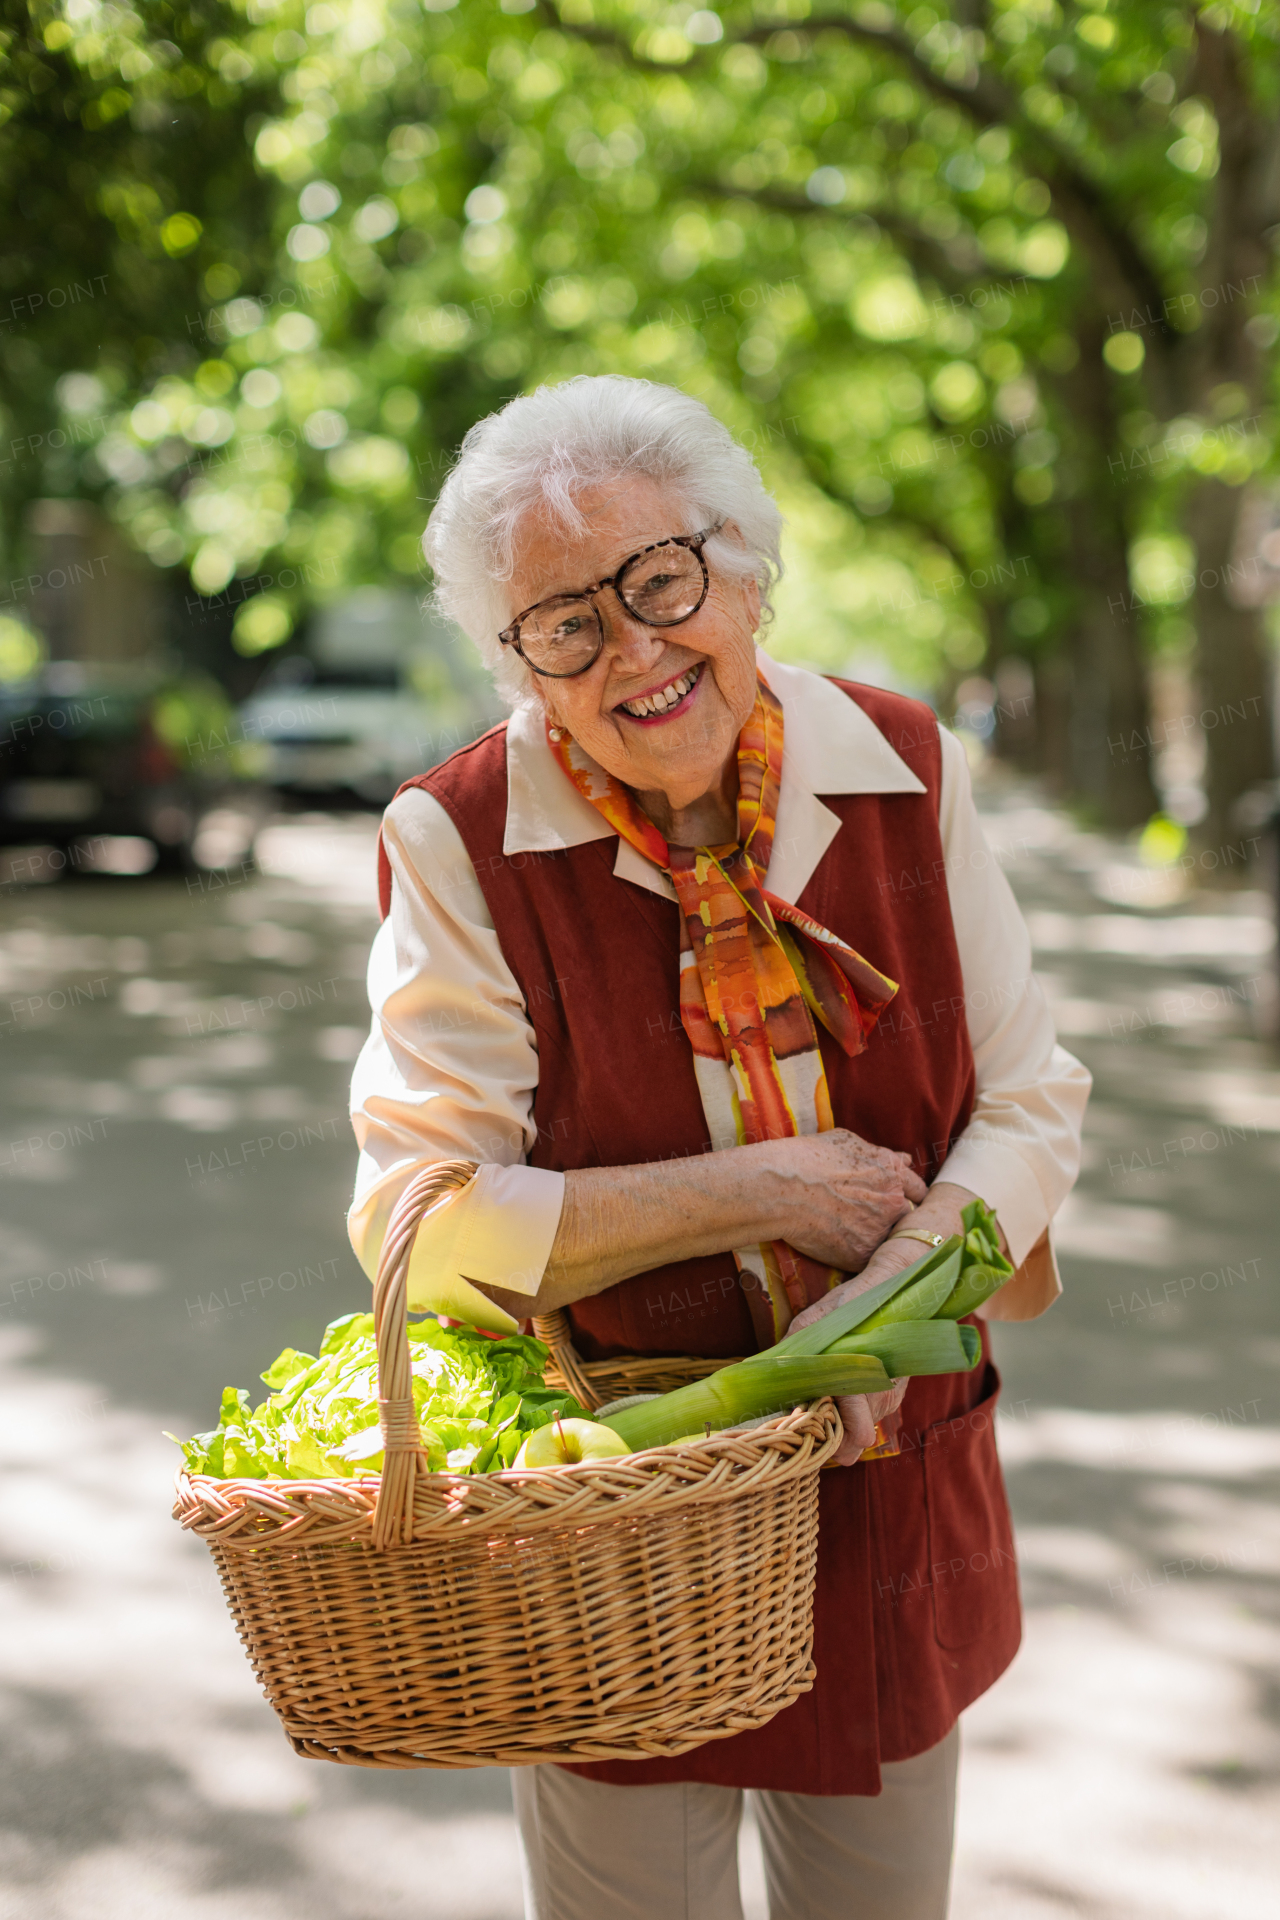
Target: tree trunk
column 1233, row 666
column 1232, row 661
column 1053, row 720
column 1108, row 734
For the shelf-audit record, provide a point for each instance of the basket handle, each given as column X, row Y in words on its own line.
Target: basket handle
column 401, row 1441
column 554, row 1331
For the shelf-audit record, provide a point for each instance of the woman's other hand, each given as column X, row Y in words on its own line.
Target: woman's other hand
column 939, row 1212
column 838, row 1196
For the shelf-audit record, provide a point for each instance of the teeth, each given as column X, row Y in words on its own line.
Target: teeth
column 659, row 702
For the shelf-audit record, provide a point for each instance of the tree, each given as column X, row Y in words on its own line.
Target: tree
column 128, row 183
column 951, row 272
column 1150, row 134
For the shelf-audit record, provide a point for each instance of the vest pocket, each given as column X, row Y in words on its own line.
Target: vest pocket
column 973, row 1568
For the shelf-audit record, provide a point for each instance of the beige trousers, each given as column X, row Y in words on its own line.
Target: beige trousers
column 596, row 1852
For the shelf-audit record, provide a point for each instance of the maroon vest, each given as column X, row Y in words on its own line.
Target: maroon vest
column 916, row 1611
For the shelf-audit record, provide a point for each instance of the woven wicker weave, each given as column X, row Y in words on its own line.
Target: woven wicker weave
column 594, row 1383
column 616, row 1610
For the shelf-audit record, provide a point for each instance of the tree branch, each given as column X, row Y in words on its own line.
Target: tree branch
column 924, row 252
column 604, row 37
column 986, row 101
column 1129, row 279
column 904, row 513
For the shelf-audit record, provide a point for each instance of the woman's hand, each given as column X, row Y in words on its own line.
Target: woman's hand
column 939, row 1212
column 832, row 1195
column 837, row 1196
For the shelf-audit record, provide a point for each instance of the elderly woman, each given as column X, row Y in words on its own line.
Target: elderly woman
column 703, row 960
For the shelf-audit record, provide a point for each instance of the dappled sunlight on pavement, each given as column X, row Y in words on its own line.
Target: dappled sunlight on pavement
column 176, row 1062
column 1126, row 1767
column 145, row 1777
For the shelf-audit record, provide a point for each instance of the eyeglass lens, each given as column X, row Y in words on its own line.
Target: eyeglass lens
column 661, row 588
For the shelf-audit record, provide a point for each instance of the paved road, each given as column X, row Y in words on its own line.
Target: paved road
column 174, row 1166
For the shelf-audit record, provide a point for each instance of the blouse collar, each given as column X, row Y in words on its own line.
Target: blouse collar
column 831, row 747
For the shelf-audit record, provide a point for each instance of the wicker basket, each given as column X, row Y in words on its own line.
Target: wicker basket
column 618, row 1610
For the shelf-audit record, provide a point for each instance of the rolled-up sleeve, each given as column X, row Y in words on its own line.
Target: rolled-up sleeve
column 448, row 1073
column 1021, row 1149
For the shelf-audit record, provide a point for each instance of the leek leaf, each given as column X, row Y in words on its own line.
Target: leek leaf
column 983, row 1269
column 767, row 1383
column 926, row 1294
column 819, row 1335
column 916, row 1347
column 976, row 1284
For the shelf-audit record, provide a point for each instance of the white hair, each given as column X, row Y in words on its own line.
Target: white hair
column 542, row 449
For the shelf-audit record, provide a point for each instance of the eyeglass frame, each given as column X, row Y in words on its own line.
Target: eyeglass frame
column 510, row 636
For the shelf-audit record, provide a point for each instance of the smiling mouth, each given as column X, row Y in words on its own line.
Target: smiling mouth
column 657, row 706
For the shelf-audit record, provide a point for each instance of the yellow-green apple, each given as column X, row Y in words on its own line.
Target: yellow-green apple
column 563, row 1443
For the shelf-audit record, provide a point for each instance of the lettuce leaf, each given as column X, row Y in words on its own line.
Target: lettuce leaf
column 287, row 1366
column 476, row 1397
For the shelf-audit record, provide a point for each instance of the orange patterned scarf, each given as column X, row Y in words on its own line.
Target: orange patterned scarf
column 757, row 976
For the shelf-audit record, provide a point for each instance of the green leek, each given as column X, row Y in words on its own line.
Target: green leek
column 975, row 1285
column 926, row 1295
column 983, row 1268
column 819, row 1335
column 767, row 1383
column 903, row 1327
column 916, row 1347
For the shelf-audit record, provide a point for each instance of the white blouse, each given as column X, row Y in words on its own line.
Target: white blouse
column 450, row 1067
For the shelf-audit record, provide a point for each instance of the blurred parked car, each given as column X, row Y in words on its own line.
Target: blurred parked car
column 381, row 693
column 120, row 769
column 334, row 739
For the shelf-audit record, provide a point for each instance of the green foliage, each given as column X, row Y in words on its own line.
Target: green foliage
column 126, row 179
column 972, row 292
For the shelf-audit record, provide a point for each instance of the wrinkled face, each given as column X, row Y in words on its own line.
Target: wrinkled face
column 704, row 670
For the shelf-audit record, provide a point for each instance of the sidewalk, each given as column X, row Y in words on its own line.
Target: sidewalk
column 1126, row 1768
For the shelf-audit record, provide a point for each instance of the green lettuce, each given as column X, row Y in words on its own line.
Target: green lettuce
column 476, row 1399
